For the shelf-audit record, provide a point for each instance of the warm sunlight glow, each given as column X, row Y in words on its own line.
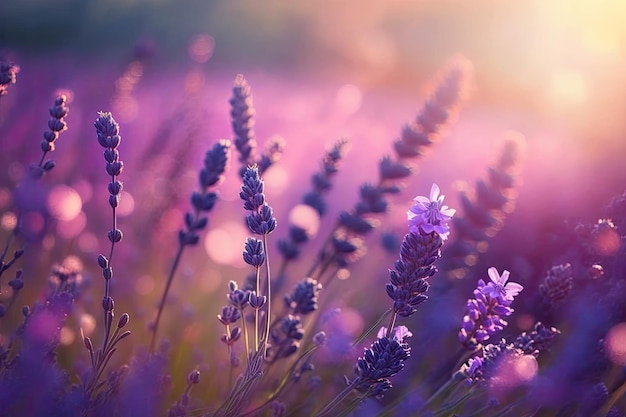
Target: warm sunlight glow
column 224, row 244
column 64, row 203
column 615, row 344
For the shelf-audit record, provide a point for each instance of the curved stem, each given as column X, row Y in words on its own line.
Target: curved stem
column 170, row 278
column 269, row 295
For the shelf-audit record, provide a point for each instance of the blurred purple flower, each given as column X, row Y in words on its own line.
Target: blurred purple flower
column 499, row 288
column 430, row 215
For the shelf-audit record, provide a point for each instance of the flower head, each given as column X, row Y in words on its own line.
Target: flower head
column 499, row 288
column 430, row 215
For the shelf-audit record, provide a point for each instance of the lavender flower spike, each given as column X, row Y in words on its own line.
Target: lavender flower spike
column 498, row 287
column 430, row 215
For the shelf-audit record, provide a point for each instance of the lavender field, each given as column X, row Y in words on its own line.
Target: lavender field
column 333, row 209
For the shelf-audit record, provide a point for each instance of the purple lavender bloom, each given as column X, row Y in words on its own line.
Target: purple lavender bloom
column 430, row 214
column 408, row 285
column 303, row 299
column 286, row 337
column 499, row 288
column 502, row 365
column 242, row 116
column 557, row 285
column 252, row 189
column 261, row 219
column 538, row 340
column 253, row 253
column 486, row 310
column 384, row 359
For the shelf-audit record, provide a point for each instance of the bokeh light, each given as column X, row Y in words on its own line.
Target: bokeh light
column 615, row 344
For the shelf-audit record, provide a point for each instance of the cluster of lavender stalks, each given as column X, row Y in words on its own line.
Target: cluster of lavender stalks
column 283, row 354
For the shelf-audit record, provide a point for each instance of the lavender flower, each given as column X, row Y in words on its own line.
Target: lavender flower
column 499, row 288
column 557, row 284
column 261, row 219
column 384, row 359
column 253, row 253
column 286, row 336
column 537, row 341
column 430, row 215
column 303, row 299
column 322, row 183
column 407, row 281
column 242, row 117
column 216, row 163
column 491, row 302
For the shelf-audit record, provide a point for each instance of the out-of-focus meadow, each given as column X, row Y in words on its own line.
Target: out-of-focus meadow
column 549, row 73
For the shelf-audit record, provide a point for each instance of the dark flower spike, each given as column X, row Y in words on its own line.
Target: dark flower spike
column 322, row 183
column 483, row 214
column 537, row 341
column 242, row 117
column 253, row 253
column 384, row 359
column 407, row 281
column 107, row 131
column 557, row 284
column 303, row 299
column 216, row 163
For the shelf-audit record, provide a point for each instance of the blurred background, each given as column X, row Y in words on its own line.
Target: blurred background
column 550, row 72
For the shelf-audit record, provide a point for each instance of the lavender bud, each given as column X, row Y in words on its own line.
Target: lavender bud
column 114, row 168
column 107, row 273
column 16, row 284
column 3, row 310
column 18, row 254
column 115, row 187
column 48, row 165
column 194, row 377
column 319, row 338
column 108, row 304
column 47, row 146
column 253, row 253
column 25, row 311
column 115, row 235
column 88, row 344
column 256, row 301
column 123, row 321
column 103, row 262
column 111, row 155
column 114, row 201
column 50, row 136
column 57, row 125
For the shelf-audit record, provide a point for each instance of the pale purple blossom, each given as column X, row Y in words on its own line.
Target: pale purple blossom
column 430, row 214
column 399, row 333
column 499, row 288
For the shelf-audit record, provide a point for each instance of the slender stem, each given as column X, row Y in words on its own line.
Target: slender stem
column 168, row 284
column 392, row 324
column 269, row 294
column 338, row 399
column 245, row 336
column 613, row 399
column 449, row 383
column 256, row 310
column 371, row 328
